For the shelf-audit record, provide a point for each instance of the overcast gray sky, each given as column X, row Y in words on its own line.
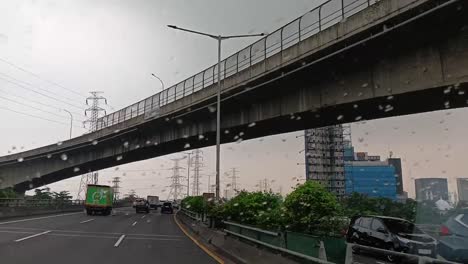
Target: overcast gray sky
column 74, row 47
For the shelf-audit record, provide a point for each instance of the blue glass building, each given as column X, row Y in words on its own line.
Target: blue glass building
column 373, row 178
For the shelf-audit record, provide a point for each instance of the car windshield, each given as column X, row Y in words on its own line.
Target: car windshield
column 169, row 131
column 399, row 226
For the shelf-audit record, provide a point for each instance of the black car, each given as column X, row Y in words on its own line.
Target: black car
column 141, row 205
column 167, row 208
column 392, row 234
column 453, row 240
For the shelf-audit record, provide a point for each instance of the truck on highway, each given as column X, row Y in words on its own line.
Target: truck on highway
column 153, row 201
column 99, row 199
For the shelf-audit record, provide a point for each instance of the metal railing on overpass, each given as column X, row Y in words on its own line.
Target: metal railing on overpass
column 316, row 20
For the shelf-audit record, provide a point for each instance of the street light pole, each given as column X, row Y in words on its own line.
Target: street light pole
column 162, row 83
column 219, row 38
column 71, row 121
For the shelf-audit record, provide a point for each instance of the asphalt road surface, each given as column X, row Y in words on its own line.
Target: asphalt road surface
column 125, row 237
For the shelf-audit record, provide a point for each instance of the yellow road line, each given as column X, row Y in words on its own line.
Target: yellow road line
column 209, row 252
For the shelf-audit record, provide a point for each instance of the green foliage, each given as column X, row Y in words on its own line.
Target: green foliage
column 194, row 204
column 42, row 194
column 8, row 193
column 360, row 204
column 62, row 196
column 311, row 208
column 254, row 208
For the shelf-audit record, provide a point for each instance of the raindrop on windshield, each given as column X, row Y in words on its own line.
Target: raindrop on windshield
column 355, row 106
column 226, row 131
column 49, row 156
column 187, row 145
column 212, row 109
column 94, row 142
column 125, row 144
column 241, row 134
column 76, row 169
column 119, row 157
column 179, row 121
column 148, row 142
column 339, row 117
column 59, row 143
column 358, row 118
column 252, row 124
column 364, row 85
column 64, row 156
column 20, row 159
column 117, row 131
column 200, row 137
column 361, row 139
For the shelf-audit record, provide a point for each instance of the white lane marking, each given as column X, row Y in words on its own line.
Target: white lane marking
column 86, row 221
column 143, row 216
column 154, row 239
column 35, row 235
column 16, row 232
column 119, row 241
column 74, row 235
column 37, row 218
column 135, row 223
column 83, row 232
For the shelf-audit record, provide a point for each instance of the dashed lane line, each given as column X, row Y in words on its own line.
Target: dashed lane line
column 119, row 241
column 143, row 216
column 134, row 223
column 31, row 236
column 86, row 221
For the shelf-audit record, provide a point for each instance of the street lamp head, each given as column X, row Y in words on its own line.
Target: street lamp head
column 172, row 26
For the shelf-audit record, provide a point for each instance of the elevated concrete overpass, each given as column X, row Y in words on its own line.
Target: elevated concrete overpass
column 333, row 65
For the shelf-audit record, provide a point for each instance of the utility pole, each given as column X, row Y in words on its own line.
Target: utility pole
column 116, row 187
column 197, row 162
column 176, row 186
column 93, row 112
column 233, row 176
column 189, row 165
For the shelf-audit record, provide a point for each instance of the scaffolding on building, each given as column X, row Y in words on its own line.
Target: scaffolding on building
column 324, row 152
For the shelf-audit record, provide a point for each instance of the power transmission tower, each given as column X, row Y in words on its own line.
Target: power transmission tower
column 93, row 112
column 176, row 186
column 233, row 176
column 264, row 185
column 197, row 163
column 116, row 187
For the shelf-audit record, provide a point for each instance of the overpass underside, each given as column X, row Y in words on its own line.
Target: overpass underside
column 416, row 61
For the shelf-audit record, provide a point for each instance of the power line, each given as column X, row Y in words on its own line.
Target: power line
column 26, row 114
column 45, row 95
column 33, row 107
column 39, row 77
column 36, row 102
column 38, row 87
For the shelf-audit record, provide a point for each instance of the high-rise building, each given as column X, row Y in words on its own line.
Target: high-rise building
column 431, row 189
column 324, row 151
column 396, row 163
column 366, row 174
column 462, row 188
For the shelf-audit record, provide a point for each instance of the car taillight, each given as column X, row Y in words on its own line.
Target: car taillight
column 444, row 231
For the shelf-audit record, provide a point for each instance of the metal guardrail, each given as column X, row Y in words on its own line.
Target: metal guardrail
column 316, row 20
column 15, row 202
column 193, row 215
column 252, row 228
column 281, row 249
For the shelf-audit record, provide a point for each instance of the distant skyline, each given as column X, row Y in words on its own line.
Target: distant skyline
column 114, row 46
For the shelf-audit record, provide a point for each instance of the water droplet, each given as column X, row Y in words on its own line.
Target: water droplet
column 241, row 134
column 117, row 131
column 226, row 131
column 283, row 139
column 252, row 124
column 447, row 90
column 390, row 97
column 339, row 117
column 155, row 143
column 236, row 204
column 364, row 85
column 167, row 119
column 236, row 137
column 360, row 94
column 76, row 169
column 298, row 118
column 179, row 121
column 64, row 156
column 137, row 146
column 212, row 109
column 49, row 156
column 461, row 92
column 447, row 104
column 185, row 136
column 31, row 186
column 345, row 94
column 59, row 143
column 388, row 108
column 358, row 118
column 148, row 142
column 361, row 139
column 187, row 145
column 116, row 168
column 94, row 142
column 355, row 106
column 201, row 136
column 125, row 144
column 119, row 158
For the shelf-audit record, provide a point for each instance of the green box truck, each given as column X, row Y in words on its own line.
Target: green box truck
column 99, row 198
